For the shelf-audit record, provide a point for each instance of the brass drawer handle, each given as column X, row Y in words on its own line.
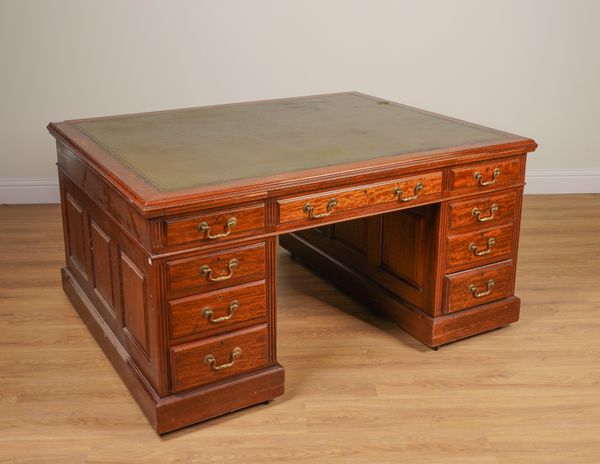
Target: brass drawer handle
column 208, row 313
column 477, row 213
column 475, row 249
column 205, row 270
column 487, row 291
column 479, row 178
column 204, row 228
column 211, row 361
column 416, row 191
column 310, row 210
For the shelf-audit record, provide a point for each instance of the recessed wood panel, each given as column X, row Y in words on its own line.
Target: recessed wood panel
column 353, row 234
column 400, row 252
column 76, row 235
column 402, row 242
column 101, row 262
column 134, row 301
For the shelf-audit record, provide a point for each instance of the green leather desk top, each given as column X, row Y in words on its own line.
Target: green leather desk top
column 196, row 147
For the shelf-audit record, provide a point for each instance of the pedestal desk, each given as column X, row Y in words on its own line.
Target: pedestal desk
column 171, row 222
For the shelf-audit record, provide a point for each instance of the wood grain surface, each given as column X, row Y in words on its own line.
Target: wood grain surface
column 188, row 317
column 362, row 196
column 185, row 276
column 489, row 283
column 461, row 211
column 479, row 246
column 358, row 389
column 509, row 172
column 188, row 366
column 186, row 230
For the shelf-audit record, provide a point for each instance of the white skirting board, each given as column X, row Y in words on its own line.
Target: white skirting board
column 29, row 190
column 45, row 190
column 562, row 181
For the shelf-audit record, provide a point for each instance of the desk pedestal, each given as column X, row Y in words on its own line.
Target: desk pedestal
column 440, row 278
column 432, row 331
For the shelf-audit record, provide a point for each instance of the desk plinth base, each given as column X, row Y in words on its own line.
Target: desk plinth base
column 176, row 411
column 432, row 331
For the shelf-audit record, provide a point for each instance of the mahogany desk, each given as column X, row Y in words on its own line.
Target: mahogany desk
column 171, row 221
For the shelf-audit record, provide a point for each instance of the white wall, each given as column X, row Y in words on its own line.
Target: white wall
column 529, row 67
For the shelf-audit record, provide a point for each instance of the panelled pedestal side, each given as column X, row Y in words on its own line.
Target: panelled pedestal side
column 112, row 274
column 192, row 333
column 442, row 271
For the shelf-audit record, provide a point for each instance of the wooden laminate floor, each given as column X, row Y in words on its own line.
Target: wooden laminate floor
column 359, row 390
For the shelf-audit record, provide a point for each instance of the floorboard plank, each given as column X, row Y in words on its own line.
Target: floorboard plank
column 359, row 390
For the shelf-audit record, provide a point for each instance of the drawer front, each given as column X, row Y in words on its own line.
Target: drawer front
column 477, row 286
column 217, row 358
column 218, row 311
column 215, row 226
column 483, row 211
column 223, row 268
column 487, row 176
column 313, row 207
column 471, row 248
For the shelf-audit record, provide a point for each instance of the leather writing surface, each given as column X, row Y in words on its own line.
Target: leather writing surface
column 209, row 145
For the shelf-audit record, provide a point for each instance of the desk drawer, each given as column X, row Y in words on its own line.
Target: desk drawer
column 219, row 269
column 487, row 176
column 483, row 211
column 313, row 207
column 218, row 311
column 215, row 226
column 477, row 286
column 473, row 247
column 217, row 358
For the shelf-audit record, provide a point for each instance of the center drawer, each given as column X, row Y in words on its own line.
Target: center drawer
column 407, row 191
column 215, row 270
column 217, row 358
